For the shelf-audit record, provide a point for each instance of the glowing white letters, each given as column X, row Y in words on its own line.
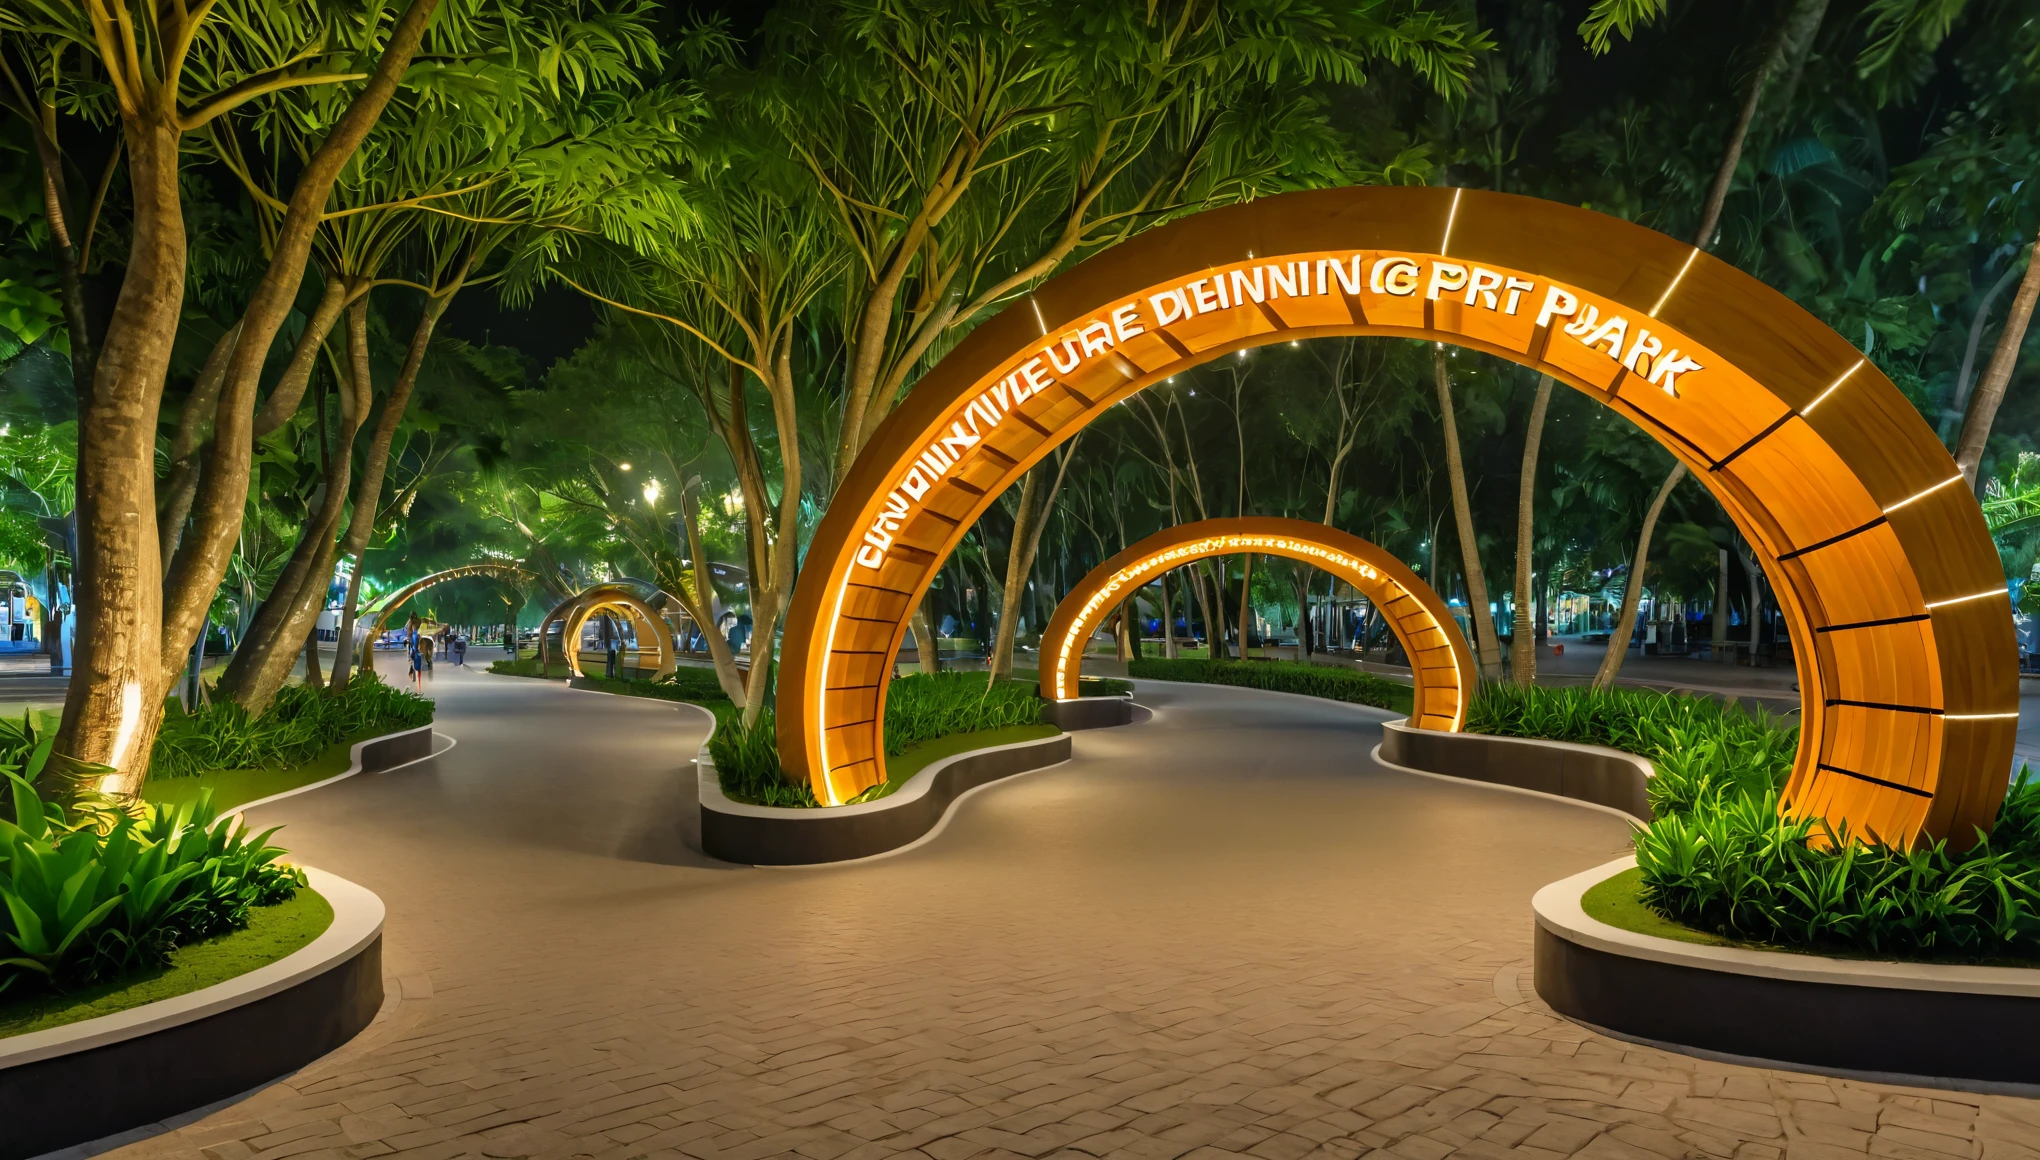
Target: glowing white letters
column 1262, row 286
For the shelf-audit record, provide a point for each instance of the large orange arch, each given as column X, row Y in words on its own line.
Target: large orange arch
column 1439, row 659
column 504, row 572
column 1875, row 548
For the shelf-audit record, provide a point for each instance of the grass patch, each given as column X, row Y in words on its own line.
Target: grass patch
column 233, row 788
column 272, row 932
column 923, row 754
column 1618, row 901
column 1327, row 681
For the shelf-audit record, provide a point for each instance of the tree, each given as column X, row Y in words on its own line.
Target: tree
column 171, row 72
column 1523, row 636
column 1487, row 645
column 1625, row 624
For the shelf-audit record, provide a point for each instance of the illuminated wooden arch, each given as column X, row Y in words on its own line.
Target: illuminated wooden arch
column 1875, row 549
column 1443, row 666
column 503, row 572
column 652, row 629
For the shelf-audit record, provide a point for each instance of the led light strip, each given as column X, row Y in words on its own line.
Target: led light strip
column 1972, row 596
column 1832, row 388
column 1445, row 247
column 1917, row 496
column 2013, row 716
column 1678, row 278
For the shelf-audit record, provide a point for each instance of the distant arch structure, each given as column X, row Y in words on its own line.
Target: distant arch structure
column 1442, row 664
column 1877, row 553
column 508, row 573
column 639, row 601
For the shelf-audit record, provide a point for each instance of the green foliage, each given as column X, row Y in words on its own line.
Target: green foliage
column 1739, row 868
column 1335, row 684
column 1702, row 749
column 82, row 905
column 299, row 726
column 1720, row 857
column 747, row 764
column 925, row 706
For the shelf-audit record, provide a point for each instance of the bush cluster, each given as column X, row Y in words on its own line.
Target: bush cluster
column 1327, row 681
column 87, row 902
column 1721, row 857
column 747, row 763
column 298, row 726
column 1701, row 747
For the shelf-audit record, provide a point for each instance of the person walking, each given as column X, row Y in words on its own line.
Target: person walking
column 417, row 663
column 460, row 651
column 426, row 650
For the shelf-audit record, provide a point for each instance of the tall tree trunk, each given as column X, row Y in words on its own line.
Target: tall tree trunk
column 1027, row 522
column 368, row 493
column 313, row 678
column 192, row 424
column 1246, row 604
column 1721, row 610
column 1169, row 646
column 1792, row 36
column 1990, row 390
column 1462, row 510
column 1963, row 383
column 1632, row 595
column 927, row 646
column 202, row 558
column 697, row 595
column 119, row 679
column 1037, row 496
column 1756, row 618
column 263, row 663
column 1523, row 634
column 1302, row 575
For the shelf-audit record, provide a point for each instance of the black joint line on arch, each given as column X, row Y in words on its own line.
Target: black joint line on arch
column 1911, row 789
column 1753, row 440
column 1831, row 541
column 1931, row 712
column 1889, row 620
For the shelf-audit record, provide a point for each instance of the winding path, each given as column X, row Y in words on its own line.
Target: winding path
column 1222, row 931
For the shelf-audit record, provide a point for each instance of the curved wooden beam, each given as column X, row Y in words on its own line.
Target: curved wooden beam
column 1877, row 553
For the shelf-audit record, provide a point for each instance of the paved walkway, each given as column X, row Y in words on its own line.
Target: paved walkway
column 1221, row 932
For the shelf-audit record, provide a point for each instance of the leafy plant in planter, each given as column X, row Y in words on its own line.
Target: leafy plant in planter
column 84, row 905
column 300, row 725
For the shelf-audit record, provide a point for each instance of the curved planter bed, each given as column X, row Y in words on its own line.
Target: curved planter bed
column 92, row 1079
column 762, row 836
column 1089, row 713
column 1931, row 1021
column 1588, row 773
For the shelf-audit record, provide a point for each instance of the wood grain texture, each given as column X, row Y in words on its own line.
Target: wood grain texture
column 1878, row 556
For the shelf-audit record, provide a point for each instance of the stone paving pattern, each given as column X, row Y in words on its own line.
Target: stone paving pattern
column 1220, row 933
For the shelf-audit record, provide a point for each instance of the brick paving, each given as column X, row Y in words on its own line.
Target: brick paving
column 1220, row 933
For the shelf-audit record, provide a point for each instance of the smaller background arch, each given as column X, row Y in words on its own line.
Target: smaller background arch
column 654, row 636
column 1439, row 658
column 507, row 573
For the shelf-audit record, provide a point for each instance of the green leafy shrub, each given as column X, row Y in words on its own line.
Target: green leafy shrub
column 688, row 683
column 1720, row 857
column 528, row 667
column 1327, row 681
column 925, row 706
column 747, row 763
column 82, row 905
column 1734, row 866
column 918, row 708
column 1701, row 747
column 299, row 725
